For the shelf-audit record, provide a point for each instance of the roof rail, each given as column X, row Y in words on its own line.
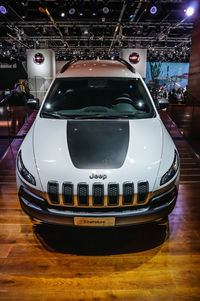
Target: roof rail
column 129, row 66
column 68, row 64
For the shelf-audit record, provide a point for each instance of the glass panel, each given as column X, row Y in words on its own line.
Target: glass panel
column 114, row 97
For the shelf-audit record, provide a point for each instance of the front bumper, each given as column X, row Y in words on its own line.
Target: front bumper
column 39, row 210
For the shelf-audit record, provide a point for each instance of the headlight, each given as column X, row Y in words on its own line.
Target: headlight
column 172, row 171
column 23, row 171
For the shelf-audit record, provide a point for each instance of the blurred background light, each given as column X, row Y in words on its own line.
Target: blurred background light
column 3, row 9
column 190, row 11
column 105, row 10
column 72, row 11
column 153, row 10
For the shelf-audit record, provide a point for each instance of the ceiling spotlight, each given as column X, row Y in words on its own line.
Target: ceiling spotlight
column 3, row 9
column 72, row 11
column 105, row 10
column 153, row 10
column 190, row 11
column 62, row 14
column 81, row 14
column 85, row 31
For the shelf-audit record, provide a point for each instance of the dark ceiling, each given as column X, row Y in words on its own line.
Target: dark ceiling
column 93, row 28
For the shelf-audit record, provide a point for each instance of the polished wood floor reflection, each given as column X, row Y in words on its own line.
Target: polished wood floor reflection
column 148, row 262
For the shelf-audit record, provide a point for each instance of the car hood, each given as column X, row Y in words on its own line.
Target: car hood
column 83, row 150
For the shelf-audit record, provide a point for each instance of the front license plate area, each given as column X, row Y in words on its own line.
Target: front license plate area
column 94, row 221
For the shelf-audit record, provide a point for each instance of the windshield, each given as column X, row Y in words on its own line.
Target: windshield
column 97, row 97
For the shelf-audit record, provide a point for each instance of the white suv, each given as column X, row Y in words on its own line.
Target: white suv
column 98, row 153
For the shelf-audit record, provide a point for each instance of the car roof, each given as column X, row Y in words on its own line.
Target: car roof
column 97, row 68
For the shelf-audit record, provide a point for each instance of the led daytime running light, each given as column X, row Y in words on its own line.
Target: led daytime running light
column 172, row 171
column 23, row 171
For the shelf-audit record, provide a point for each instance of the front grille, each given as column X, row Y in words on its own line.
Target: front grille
column 98, row 194
column 68, row 193
column 143, row 190
column 83, row 195
column 113, row 194
column 128, row 193
column 53, row 192
column 101, row 195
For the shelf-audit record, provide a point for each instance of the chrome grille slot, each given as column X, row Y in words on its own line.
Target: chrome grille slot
column 128, row 193
column 113, row 194
column 52, row 188
column 143, row 190
column 68, row 193
column 98, row 194
column 82, row 194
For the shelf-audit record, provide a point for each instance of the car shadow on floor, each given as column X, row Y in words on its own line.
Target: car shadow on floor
column 95, row 241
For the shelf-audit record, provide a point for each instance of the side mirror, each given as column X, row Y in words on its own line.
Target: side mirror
column 162, row 103
column 33, row 103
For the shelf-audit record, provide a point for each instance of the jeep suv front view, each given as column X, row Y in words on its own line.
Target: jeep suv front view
column 98, row 153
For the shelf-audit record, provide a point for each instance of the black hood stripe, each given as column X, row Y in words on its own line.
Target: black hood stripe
column 98, row 144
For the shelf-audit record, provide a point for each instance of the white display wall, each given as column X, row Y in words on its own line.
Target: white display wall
column 141, row 65
column 40, row 74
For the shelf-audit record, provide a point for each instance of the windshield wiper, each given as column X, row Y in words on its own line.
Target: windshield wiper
column 94, row 116
column 100, row 116
column 48, row 114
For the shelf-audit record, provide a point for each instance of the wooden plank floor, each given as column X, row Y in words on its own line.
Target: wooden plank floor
column 136, row 263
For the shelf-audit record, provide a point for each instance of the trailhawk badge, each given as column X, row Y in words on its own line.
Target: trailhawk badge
column 93, row 176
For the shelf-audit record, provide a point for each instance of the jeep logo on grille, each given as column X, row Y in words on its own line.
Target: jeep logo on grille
column 93, row 176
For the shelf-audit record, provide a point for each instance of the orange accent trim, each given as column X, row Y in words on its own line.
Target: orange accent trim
column 47, row 12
